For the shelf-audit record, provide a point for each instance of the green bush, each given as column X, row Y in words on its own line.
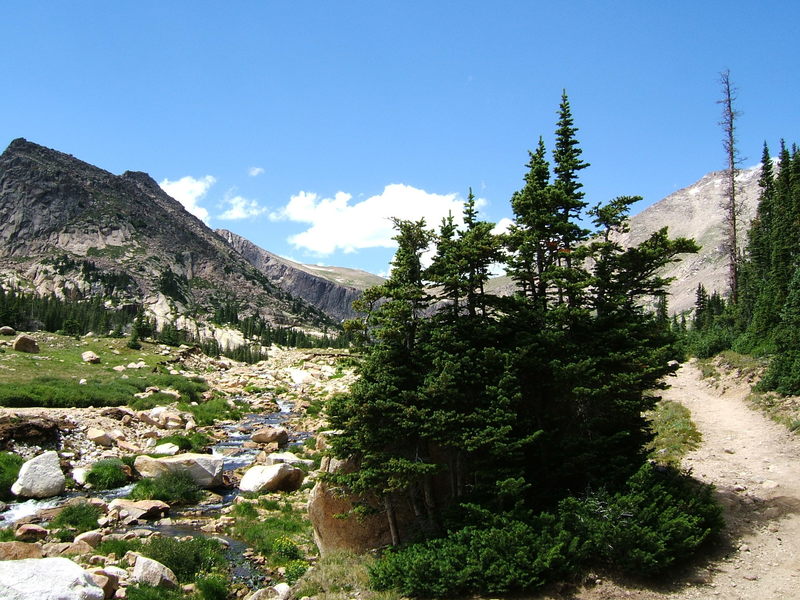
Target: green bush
column 216, row 409
column 107, row 474
column 147, row 592
column 10, row 464
column 78, row 517
column 172, row 487
column 284, row 547
column 295, row 570
column 212, row 587
column 118, row 547
column 186, row 558
column 7, row 534
column 194, row 442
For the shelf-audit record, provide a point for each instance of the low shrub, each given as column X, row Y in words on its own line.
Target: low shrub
column 284, row 547
column 194, row 442
column 118, row 547
column 186, row 557
column 107, row 474
column 295, row 570
column 212, row 587
column 77, row 517
column 659, row 519
column 7, row 534
column 277, row 536
column 216, row 409
column 173, row 488
column 147, row 592
column 10, row 464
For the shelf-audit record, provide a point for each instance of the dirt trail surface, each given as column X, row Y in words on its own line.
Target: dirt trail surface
column 754, row 463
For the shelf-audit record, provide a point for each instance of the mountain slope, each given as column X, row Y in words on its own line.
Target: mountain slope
column 74, row 230
column 331, row 289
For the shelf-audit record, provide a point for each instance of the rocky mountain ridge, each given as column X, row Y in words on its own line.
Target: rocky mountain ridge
column 331, row 289
column 73, row 230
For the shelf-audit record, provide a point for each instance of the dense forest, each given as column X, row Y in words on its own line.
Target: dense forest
column 764, row 320
column 503, row 438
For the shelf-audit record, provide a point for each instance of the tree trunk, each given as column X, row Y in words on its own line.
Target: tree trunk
column 388, row 505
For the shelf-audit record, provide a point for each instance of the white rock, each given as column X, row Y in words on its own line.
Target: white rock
column 168, row 448
column 79, row 475
column 152, row 572
column 279, row 477
column 120, row 368
column 99, row 437
column 288, row 458
column 46, row 579
column 90, row 357
column 40, row 477
column 205, row 469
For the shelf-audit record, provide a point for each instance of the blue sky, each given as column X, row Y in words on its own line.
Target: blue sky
column 304, row 125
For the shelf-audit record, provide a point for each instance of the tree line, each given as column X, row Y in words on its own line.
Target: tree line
column 506, row 408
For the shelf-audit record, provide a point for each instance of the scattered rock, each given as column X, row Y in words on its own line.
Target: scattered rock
column 93, row 538
column 205, row 469
column 90, row 357
column 30, row 532
column 40, row 477
column 46, row 578
column 19, row 550
column 99, row 437
column 168, row 448
column 288, row 458
column 152, row 572
column 277, row 477
column 26, row 343
column 271, row 434
column 130, row 511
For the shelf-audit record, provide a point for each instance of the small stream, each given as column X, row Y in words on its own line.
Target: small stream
column 235, row 456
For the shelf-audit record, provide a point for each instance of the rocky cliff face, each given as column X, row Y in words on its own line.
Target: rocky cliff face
column 330, row 289
column 695, row 212
column 74, row 230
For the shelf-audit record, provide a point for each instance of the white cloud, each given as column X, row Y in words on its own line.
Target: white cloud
column 337, row 224
column 241, row 208
column 255, row 171
column 189, row 191
column 502, row 226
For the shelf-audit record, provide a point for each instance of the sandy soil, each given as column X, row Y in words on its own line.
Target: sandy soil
column 755, row 465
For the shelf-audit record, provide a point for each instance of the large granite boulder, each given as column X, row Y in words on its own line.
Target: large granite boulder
column 278, row 477
column 205, row 469
column 151, row 572
column 26, row 343
column 46, row 579
column 6, row 330
column 130, row 511
column 19, row 550
column 40, row 477
column 268, row 435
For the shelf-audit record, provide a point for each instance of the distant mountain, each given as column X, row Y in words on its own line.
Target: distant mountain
column 330, row 289
column 77, row 231
column 695, row 212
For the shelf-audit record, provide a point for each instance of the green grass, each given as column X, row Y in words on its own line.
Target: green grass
column 186, row 558
column 10, row 464
column 341, row 576
column 77, row 518
column 118, row 547
column 193, row 442
column 7, row 535
column 215, row 409
column 107, row 474
column 675, row 433
column 172, row 487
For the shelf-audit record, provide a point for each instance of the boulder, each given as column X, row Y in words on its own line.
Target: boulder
column 99, row 437
column 288, row 458
column 167, row 448
column 271, row 434
column 162, row 417
column 278, row 477
column 30, row 533
column 106, row 581
column 280, row 591
column 40, row 477
column 205, row 469
column 6, row 330
column 90, row 357
column 351, row 534
column 79, row 475
column 46, row 579
column 93, row 538
column 129, row 511
column 151, row 572
column 19, row 550
column 26, row 343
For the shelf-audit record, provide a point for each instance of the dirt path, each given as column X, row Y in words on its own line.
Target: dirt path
column 754, row 464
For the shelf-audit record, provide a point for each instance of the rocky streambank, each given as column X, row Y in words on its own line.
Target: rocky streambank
column 257, row 466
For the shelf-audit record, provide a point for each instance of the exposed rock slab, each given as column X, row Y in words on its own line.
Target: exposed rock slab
column 19, row 550
column 46, row 579
column 279, row 477
column 205, row 469
column 40, row 477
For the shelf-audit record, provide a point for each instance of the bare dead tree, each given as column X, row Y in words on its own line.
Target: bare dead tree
column 731, row 204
